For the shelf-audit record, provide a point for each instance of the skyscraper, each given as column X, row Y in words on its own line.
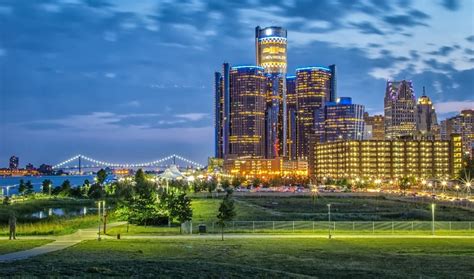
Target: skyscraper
column 222, row 110
column 292, row 115
column 312, row 91
column 271, row 54
column 248, row 88
column 462, row 124
column 14, row 162
column 425, row 117
column 399, row 105
column 341, row 120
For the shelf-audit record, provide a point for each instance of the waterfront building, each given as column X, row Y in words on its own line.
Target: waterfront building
column 14, row 163
column 271, row 49
column 399, row 107
column 462, row 124
column 386, row 159
column 221, row 111
column 426, row 120
column 374, row 127
column 248, row 88
column 29, row 166
column 313, row 86
column 341, row 120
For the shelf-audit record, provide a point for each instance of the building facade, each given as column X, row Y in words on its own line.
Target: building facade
column 292, row 116
column 462, row 124
column 341, row 120
column 265, row 168
column 387, row 159
column 313, row 86
column 14, row 163
column 374, row 127
column 426, row 120
column 399, row 108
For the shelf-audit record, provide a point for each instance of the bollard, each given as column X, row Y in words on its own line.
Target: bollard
column 273, row 225
column 373, row 227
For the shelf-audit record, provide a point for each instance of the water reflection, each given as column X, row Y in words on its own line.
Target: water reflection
column 49, row 212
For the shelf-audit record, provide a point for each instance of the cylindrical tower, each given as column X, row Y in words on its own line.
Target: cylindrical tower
column 271, row 47
column 248, row 85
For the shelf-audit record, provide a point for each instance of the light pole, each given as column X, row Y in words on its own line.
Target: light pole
column 433, row 219
column 98, row 214
column 457, row 191
column 329, row 219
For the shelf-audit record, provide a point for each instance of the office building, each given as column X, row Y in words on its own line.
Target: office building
column 221, row 111
column 292, row 116
column 387, row 159
column 271, row 49
column 462, row 124
column 426, row 120
column 313, row 86
column 341, row 120
column 374, row 127
column 265, row 168
column 399, row 107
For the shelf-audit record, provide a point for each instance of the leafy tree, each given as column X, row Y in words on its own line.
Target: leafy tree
column 29, row 188
column 140, row 177
column 46, row 184
column 226, row 211
column 404, row 184
column 237, row 181
column 96, row 192
column 225, row 184
column 211, row 185
column 101, row 176
column 22, row 187
column 179, row 207
column 65, row 188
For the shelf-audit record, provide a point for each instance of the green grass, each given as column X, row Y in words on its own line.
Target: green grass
column 10, row 246
column 256, row 258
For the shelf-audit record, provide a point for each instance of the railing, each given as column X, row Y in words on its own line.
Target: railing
column 341, row 227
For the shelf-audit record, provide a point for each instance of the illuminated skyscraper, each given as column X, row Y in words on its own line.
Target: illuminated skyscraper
column 271, row 54
column 400, row 105
column 14, row 163
column 426, row 121
column 374, row 127
column 462, row 124
column 222, row 110
column 312, row 91
column 271, row 46
column 291, row 118
column 341, row 120
column 248, row 89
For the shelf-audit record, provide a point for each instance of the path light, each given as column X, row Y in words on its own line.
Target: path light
column 432, row 218
column 329, row 219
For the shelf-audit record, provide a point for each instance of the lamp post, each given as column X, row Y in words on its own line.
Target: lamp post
column 98, row 214
column 329, row 219
column 457, row 191
column 433, row 219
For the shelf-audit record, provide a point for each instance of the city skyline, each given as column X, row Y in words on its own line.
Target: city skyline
column 145, row 103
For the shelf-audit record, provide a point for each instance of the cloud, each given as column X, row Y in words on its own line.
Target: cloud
column 403, row 20
column 3, row 52
column 470, row 39
column 110, row 75
column 442, row 51
column 453, row 106
column 193, row 116
column 451, row 5
column 367, row 28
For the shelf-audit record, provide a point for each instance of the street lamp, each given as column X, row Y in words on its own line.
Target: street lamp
column 433, row 219
column 329, row 219
column 444, row 183
column 457, row 191
column 98, row 214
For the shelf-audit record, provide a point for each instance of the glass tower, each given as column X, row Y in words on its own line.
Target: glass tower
column 399, row 107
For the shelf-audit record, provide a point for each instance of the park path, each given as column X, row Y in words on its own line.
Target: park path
column 60, row 243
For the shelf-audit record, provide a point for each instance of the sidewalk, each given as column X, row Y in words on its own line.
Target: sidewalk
column 60, row 243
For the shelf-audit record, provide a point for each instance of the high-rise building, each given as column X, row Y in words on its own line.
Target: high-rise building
column 341, row 120
column 462, row 124
column 14, row 163
column 222, row 111
column 426, row 120
column 333, row 84
column 374, row 127
column 271, row 54
column 271, row 47
column 292, row 115
column 248, row 88
column 313, row 86
column 399, row 105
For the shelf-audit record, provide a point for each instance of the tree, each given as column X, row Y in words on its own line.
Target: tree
column 101, row 176
column 22, row 187
column 140, row 177
column 46, row 186
column 65, row 188
column 211, row 185
column 226, row 211
column 179, row 207
column 29, row 188
column 404, row 184
column 467, row 171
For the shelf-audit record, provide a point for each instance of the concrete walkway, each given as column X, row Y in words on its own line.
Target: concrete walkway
column 61, row 242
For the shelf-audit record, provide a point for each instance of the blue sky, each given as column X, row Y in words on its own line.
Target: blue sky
column 132, row 81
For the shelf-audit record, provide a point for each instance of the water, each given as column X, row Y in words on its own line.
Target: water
column 13, row 182
column 48, row 212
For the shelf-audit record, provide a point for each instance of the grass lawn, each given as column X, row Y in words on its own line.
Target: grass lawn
column 9, row 246
column 257, row 258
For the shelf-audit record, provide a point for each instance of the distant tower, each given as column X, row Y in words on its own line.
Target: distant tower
column 291, row 118
column 271, row 54
column 222, row 110
column 426, row 121
column 399, row 107
column 14, row 163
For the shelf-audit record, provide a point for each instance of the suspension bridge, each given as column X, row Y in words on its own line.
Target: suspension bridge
column 81, row 162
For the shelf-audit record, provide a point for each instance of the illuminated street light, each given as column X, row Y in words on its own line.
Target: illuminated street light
column 329, row 219
column 432, row 218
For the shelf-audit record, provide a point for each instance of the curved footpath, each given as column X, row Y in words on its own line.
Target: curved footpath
column 60, row 243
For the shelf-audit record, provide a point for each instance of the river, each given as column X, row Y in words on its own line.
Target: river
column 13, row 182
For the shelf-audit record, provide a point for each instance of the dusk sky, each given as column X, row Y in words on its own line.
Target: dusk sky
column 131, row 81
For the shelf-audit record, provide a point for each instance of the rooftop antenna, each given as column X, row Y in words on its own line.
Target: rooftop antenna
column 424, row 93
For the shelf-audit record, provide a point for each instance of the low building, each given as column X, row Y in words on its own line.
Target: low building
column 386, row 159
column 265, row 168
